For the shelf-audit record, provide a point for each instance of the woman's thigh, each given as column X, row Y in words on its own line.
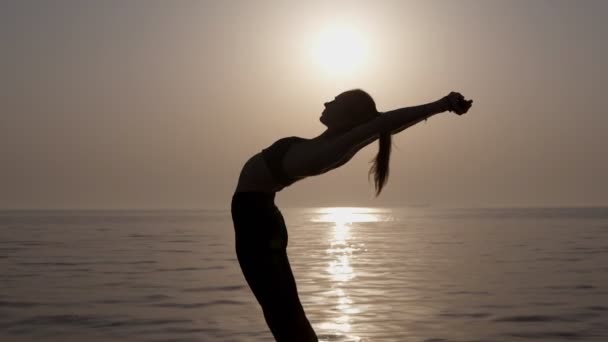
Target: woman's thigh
column 269, row 275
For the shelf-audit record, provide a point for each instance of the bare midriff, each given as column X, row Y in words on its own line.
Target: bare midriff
column 255, row 176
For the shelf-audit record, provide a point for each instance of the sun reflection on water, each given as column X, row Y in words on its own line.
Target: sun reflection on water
column 340, row 253
column 346, row 215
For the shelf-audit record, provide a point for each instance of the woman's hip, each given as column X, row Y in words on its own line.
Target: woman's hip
column 258, row 226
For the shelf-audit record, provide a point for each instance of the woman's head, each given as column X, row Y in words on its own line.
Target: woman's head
column 349, row 109
column 353, row 108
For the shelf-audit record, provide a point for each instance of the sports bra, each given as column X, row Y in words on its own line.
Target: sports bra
column 273, row 156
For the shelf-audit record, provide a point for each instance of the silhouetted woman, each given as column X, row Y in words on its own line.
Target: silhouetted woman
column 261, row 236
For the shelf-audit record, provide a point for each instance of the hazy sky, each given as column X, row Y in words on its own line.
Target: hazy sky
column 157, row 104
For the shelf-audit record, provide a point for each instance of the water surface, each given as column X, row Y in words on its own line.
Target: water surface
column 383, row 274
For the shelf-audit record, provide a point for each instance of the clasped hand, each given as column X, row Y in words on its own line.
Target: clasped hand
column 457, row 103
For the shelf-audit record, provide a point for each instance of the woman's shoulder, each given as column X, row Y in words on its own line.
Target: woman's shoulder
column 290, row 139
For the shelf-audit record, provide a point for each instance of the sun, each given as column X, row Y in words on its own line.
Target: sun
column 339, row 50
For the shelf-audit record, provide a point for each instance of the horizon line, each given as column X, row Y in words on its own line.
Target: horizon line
column 409, row 206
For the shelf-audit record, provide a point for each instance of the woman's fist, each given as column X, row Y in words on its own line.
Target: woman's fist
column 457, row 103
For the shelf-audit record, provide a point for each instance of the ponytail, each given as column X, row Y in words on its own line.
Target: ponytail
column 380, row 166
column 363, row 107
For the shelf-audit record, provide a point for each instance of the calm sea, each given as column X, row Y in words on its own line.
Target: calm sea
column 408, row 274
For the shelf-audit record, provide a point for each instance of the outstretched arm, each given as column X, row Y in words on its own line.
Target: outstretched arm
column 410, row 116
column 393, row 121
column 349, row 143
column 397, row 120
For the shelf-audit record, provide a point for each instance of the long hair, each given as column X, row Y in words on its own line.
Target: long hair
column 380, row 166
column 363, row 106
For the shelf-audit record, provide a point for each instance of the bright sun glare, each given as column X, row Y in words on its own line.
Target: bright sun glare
column 342, row 216
column 339, row 50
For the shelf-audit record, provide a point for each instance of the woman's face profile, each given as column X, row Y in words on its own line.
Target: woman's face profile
column 348, row 109
column 335, row 113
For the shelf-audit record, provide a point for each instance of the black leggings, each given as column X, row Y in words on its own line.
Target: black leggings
column 261, row 242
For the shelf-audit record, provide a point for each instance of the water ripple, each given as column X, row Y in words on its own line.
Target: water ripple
column 424, row 275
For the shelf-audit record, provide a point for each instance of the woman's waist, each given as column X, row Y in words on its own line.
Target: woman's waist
column 256, row 177
column 248, row 200
column 254, row 212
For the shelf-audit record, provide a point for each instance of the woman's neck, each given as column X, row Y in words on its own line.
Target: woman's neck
column 331, row 133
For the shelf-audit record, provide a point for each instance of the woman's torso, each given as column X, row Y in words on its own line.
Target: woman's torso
column 256, row 174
